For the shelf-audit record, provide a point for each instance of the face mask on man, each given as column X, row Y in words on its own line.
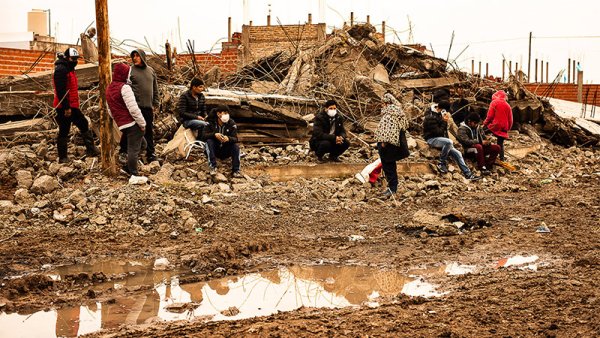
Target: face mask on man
column 331, row 112
column 225, row 118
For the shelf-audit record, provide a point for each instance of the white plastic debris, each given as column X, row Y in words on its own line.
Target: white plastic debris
column 161, row 264
column 355, row 238
column 138, row 179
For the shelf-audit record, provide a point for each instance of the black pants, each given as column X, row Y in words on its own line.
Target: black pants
column 501, row 144
column 148, row 114
column 327, row 147
column 64, row 123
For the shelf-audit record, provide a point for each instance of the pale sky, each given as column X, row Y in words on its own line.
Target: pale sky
column 491, row 28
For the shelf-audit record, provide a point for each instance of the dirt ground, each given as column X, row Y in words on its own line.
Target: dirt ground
column 560, row 299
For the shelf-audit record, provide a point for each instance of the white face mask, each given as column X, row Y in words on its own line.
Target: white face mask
column 331, row 112
column 225, row 118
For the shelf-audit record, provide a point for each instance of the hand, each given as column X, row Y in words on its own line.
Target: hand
column 68, row 112
column 382, row 144
column 200, row 118
column 225, row 139
column 485, row 142
column 339, row 140
column 446, row 117
column 143, row 129
column 220, row 137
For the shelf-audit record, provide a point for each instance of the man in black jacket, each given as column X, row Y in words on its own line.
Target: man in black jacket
column 221, row 140
column 192, row 108
column 435, row 132
column 329, row 135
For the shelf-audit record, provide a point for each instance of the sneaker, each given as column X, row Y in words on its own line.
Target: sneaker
column 125, row 171
column 237, row 174
column 473, row 177
column 442, row 167
column 336, row 159
column 388, row 193
column 63, row 160
column 151, row 158
column 485, row 172
column 320, row 159
column 212, row 171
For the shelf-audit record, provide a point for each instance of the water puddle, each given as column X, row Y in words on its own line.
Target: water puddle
column 522, row 262
column 231, row 298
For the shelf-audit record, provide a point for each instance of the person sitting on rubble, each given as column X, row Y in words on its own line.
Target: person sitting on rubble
column 127, row 115
column 391, row 140
column 329, row 134
column 435, row 132
column 499, row 119
column 191, row 108
column 66, row 103
column 473, row 140
column 221, row 140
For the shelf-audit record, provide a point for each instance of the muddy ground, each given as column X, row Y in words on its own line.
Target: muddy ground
column 560, row 298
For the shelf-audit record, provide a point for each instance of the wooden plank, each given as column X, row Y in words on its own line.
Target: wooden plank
column 427, row 83
column 10, row 128
column 24, row 103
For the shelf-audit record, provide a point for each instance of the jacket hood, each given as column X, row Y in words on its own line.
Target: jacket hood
column 64, row 61
column 500, row 95
column 121, row 72
column 142, row 56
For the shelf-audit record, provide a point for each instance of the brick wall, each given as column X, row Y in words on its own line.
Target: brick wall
column 566, row 91
column 261, row 41
column 17, row 61
column 227, row 60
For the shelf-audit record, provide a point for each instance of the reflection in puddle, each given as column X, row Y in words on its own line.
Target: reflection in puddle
column 258, row 294
column 524, row 262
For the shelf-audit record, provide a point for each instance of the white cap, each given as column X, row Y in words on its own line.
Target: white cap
column 71, row 52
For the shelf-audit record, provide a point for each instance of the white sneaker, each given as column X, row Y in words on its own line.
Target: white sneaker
column 138, row 179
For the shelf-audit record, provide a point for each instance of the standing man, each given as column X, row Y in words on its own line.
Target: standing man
column 192, row 108
column 145, row 88
column 329, row 134
column 221, row 140
column 66, row 103
column 435, row 132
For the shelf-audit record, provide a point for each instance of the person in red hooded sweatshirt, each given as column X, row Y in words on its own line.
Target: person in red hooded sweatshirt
column 66, row 103
column 499, row 119
column 127, row 115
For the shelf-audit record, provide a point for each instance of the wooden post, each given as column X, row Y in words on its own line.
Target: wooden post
column 487, row 69
column 579, row 86
column 529, row 60
column 542, row 71
column 369, row 19
column 473, row 67
column 229, row 29
column 574, row 73
column 503, row 70
column 536, row 69
column 250, row 23
column 309, row 18
column 517, row 71
column 104, row 77
column 168, row 54
column 351, row 19
column 269, row 20
column 383, row 30
column 479, row 72
column 509, row 68
column 546, row 71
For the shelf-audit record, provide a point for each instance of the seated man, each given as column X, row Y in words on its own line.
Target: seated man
column 471, row 137
column 435, row 132
column 221, row 140
column 192, row 108
column 329, row 135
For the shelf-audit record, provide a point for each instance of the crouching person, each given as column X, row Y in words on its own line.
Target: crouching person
column 471, row 137
column 329, row 134
column 127, row 114
column 221, row 140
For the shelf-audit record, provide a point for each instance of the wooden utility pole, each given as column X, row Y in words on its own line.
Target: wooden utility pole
column 529, row 60
column 536, row 70
column 104, row 77
column 503, row 70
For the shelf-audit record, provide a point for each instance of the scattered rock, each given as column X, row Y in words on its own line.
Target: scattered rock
column 44, row 184
column 24, row 179
column 161, row 264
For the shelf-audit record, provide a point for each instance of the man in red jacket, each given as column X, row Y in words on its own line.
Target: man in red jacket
column 66, row 103
column 499, row 119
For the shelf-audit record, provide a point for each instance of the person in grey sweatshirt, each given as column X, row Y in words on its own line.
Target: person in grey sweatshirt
column 144, row 84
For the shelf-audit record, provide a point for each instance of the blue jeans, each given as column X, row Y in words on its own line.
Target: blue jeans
column 447, row 148
column 195, row 125
column 216, row 149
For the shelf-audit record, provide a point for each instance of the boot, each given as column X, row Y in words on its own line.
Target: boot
column 62, row 146
column 90, row 148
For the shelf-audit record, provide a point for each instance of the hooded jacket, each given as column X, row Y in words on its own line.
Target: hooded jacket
column 434, row 125
column 144, row 82
column 499, row 118
column 469, row 137
column 66, row 88
column 121, row 100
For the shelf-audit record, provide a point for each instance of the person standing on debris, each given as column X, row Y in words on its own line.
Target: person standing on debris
column 435, row 132
column 192, row 108
column 329, row 134
column 221, row 140
column 471, row 137
column 144, row 84
column 128, row 116
column 391, row 140
column 499, row 119
column 66, row 103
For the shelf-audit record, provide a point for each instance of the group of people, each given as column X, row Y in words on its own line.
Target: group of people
column 133, row 97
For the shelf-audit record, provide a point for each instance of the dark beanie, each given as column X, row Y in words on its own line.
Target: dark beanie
column 330, row 103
